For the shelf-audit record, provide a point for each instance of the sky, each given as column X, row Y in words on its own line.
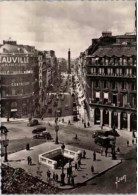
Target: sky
column 65, row 24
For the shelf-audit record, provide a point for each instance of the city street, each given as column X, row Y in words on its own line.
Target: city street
column 66, row 134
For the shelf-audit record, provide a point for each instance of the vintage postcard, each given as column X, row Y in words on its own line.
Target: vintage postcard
column 68, row 96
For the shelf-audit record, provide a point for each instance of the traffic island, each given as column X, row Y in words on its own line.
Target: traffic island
column 79, row 175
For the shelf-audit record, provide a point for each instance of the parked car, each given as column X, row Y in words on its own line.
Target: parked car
column 39, row 130
column 43, row 135
column 33, row 123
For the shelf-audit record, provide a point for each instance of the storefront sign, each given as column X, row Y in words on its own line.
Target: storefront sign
column 14, row 60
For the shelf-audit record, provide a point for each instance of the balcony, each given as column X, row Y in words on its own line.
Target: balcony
column 111, row 76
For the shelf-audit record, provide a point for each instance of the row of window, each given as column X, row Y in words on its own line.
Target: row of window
column 13, row 91
column 112, row 61
column 115, row 85
column 115, row 98
column 111, row 71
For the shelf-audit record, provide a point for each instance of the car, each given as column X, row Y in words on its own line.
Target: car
column 39, row 130
column 33, row 122
column 43, row 135
column 103, row 141
column 99, row 133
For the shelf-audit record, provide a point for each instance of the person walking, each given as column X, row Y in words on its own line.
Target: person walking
column 28, row 160
column 82, row 120
column 79, row 164
column 133, row 141
column 127, row 143
column 94, row 156
column 84, row 125
column 106, row 151
column 56, row 177
column 84, row 154
column 88, row 124
column 92, row 169
column 76, row 167
column 72, row 181
column 101, row 151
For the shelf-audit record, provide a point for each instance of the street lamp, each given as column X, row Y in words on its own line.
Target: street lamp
column 56, row 130
column 5, row 141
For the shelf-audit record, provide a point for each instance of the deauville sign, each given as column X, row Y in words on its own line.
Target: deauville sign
column 14, row 60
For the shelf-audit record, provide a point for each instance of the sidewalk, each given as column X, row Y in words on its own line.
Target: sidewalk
column 102, row 164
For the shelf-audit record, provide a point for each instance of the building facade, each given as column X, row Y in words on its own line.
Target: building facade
column 110, row 76
column 17, row 64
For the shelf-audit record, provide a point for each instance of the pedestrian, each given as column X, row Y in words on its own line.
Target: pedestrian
column 101, row 151
column 42, row 118
column 118, row 150
column 68, row 172
column 56, row 177
column 69, row 122
column 28, row 160
column 88, row 124
column 63, row 147
column 72, row 181
column 79, row 163
column 48, row 175
column 127, row 143
column 133, row 141
column 92, row 169
column 84, row 125
column 76, row 137
column 106, row 151
column 63, row 120
column 68, row 180
column 94, row 156
column 76, row 166
column 84, row 154
column 101, row 127
column 82, row 121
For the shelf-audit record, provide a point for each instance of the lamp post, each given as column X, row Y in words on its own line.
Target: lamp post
column 56, row 130
column 5, row 141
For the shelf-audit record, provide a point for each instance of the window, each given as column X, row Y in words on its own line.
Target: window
column 113, row 85
column 105, row 84
column 13, row 91
column 97, row 83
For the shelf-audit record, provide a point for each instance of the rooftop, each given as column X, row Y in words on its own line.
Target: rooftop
column 115, row 50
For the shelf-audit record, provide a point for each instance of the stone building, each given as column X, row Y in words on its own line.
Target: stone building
column 109, row 66
column 17, row 63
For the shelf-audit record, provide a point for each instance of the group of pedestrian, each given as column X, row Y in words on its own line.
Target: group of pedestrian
column 133, row 142
column 85, row 124
column 54, row 177
column 29, row 160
